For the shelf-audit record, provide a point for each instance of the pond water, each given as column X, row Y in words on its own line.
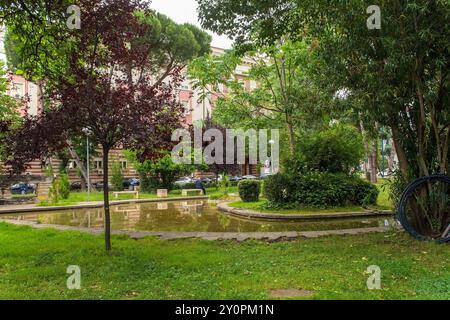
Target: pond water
column 196, row 215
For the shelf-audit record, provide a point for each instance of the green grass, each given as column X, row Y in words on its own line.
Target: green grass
column 383, row 201
column 215, row 193
column 260, row 206
column 33, row 265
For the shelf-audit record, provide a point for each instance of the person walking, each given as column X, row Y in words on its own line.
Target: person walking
column 199, row 185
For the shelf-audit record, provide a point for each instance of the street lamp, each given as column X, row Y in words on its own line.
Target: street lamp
column 382, row 152
column 87, row 132
column 271, row 142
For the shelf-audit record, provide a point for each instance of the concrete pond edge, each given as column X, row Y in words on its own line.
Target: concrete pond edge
column 251, row 214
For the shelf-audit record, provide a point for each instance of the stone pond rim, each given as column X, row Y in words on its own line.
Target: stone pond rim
column 251, row 214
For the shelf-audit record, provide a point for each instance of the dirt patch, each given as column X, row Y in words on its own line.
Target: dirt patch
column 290, row 293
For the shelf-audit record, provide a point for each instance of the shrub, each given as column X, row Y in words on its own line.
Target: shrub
column 396, row 185
column 278, row 188
column 249, row 190
column 117, row 177
column 233, row 183
column 147, row 184
column 319, row 190
column 53, row 191
column 224, row 184
column 213, row 185
column 160, row 173
column 360, row 191
column 191, row 185
column 64, row 186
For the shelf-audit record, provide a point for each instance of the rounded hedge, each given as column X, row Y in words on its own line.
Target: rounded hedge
column 249, row 190
column 279, row 188
column 319, row 189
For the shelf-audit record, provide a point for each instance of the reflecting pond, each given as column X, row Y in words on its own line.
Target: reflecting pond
column 196, row 215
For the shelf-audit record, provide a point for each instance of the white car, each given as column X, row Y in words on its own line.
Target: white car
column 249, row 177
column 184, row 180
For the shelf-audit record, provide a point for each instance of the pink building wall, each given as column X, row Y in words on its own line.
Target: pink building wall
column 26, row 92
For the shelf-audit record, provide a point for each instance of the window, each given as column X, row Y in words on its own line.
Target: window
column 98, row 164
column 72, row 164
column 17, row 90
column 186, row 107
column 124, row 164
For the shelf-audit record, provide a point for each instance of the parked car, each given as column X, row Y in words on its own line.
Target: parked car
column 22, row 188
column 99, row 185
column 75, row 186
column 208, row 179
column 235, row 178
column 133, row 182
column 184, row 180
column 249, row 177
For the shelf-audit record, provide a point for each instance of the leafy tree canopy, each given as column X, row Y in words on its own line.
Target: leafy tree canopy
column 399, row 73
column 282, row 91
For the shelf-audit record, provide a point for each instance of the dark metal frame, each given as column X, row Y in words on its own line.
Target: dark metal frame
column 401, row 210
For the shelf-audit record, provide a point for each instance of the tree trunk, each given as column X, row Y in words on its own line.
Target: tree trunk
column 374, row 157
column 421, row 127
column 374, row 162
column 401, row 154
column 366, row 148
column 444, row 168
column 391, row 157
column 291, row 138
column 40, row 96
column 106, row 200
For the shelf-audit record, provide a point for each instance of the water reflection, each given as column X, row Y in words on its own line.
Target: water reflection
column 183, row 216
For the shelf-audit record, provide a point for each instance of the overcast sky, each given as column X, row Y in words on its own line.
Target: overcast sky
column 186, row 11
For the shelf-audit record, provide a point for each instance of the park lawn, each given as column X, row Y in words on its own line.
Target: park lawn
column 33, row 264
column 218, row 193
column 260, row 207
column 383, row 203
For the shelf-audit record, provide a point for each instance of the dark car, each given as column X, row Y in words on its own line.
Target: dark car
column 75, row 186
column 99, row 186
column 133, row 182
column 22, row 188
